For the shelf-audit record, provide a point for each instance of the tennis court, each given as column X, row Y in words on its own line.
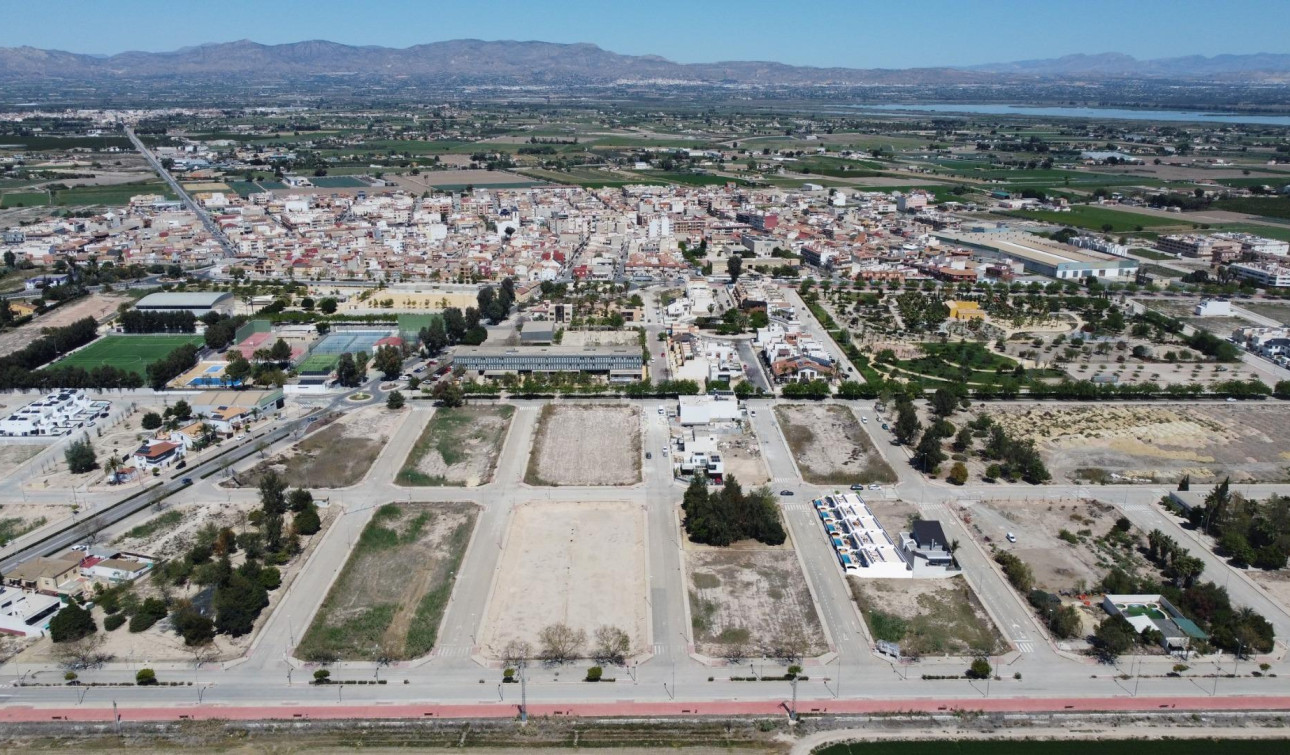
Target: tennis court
column 132, row 353
column 324, row 355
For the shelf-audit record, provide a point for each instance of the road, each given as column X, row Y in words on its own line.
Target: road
column 214, row 230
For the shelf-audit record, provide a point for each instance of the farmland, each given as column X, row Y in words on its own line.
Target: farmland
column 1098, row 218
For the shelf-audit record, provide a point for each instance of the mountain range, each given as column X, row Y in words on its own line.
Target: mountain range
column 534, row 63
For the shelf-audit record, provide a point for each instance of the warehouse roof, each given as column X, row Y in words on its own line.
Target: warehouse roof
column 183, row 299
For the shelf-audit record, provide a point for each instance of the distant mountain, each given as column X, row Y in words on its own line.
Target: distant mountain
column 470, row 61
column 1119, row 65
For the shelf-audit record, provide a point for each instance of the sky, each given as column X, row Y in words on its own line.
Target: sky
column 846, row 33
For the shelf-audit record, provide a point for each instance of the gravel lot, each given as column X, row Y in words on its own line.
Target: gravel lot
column 586, row 445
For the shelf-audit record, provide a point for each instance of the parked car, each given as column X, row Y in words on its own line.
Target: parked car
column 182, row 463
column 1011, row 537
column 649, row 455
column 786, row 492
column 875, row 486
column 857, row 486
column 187, row 481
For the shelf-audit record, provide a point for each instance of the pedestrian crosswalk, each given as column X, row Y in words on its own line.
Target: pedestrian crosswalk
column 796, row 506
column 659, row 648
column 786, row 481
column 452, row 651
column 1025, row 647
column 1136, row 508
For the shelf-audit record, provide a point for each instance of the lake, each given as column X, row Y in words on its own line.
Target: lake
column 1089, row 112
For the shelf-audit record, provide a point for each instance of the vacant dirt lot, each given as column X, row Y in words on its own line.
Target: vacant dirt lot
column 336, row 456
column 1157, row 442
column 458, row 447
column 13, row 456
column 586, row 445
column 746, row 603
column 391, row 594
column 97, row 306
column 1057, row 563
column 743, row 460
column 927, row 616
column 830, row 446
column 580, row 564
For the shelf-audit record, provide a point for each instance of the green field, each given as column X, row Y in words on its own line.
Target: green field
column 1096, row 218
column 245, row 188
column 318, row 363
column 109, row 195
column 24, row 199
column 1270, row 207
column 585, row 177
column 337, row 182
column 132, row 353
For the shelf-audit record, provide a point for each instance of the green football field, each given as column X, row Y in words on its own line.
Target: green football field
column 133, row 353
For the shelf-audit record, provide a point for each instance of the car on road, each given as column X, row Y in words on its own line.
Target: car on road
column 241, row 436
column 752, row 412
column 864, row 420
column 661, row 410
column 875, row 486
column 884, row 426
column 1231, row 400
column 857, row 486
column 786, row 492
column 649, row 455
column 187, row 481
column 1011, row 537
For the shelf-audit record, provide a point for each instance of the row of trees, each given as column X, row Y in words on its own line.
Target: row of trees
column 177, row 362
column 729, row 515
column 495, row 304
column 135, row 321
column 1249, row 532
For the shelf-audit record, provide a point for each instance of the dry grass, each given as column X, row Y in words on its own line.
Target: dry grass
column 830, row 446
column 586, row 445
column 458, row 447
column 927, row 616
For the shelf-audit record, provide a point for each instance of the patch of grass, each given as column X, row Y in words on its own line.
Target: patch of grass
column 12, row 528
column 450, row 433
column 24, row 199
column 152, row 526
column 948, row 620
column 424, row 629
column 705, row 581
column 118, row 194
column 133, row 353
column 702, row 612
column 886, row 626
column 1269, row 207
column 1150, row 254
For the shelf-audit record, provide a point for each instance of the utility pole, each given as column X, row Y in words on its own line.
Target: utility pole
column 116, row 719
column 524, row 694
column 792, row 715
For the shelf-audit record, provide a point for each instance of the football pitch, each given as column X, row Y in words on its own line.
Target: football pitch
column 132, row 353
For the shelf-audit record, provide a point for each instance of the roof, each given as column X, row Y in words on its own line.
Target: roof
column 497, row 351
column 39, row 568
column 122, row 564
column 928, row 532
column 156, row 450
column 184, row 299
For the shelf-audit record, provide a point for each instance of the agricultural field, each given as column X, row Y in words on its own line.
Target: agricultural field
column 589, row 178
column 391, row 594
column 550, row 575
column 11, row 199
column 458, row 447
column 1097, row 218
column 337, row 455
column 746, row 603
column 830, row 446
column 1270, row 207
column 132, row 353
column 1156, row 442
column 108, row 195
column 586, row 445
column 927, row 616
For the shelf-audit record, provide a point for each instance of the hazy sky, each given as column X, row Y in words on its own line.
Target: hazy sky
column 850, row 33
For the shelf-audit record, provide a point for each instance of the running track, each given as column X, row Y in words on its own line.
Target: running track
column 18, row 713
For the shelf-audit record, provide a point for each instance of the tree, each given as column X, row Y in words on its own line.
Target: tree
column 395, row 401
column 434, row 336
column 327, row 306
column 907, row 425
column 238, row 369
column 150, row 421
column 612, row 645
column 449, row 394
column 361, row 360
column 944, row 402
column 80, row 456
column 980, row 669
column 1114, row 637
column 389, row 362
column 273, row 505
column 734, row 265
column 347, row 373
column 454, row 323
column 958, row 473
column 280, row 351
column 299, row 499
column 237, row 605
column 560, row 643
column 928, row 454
column 71, row 623
column 149, row 612
column 306, row 521
column 145, row 677
column 181, row 410
column 1185, row 483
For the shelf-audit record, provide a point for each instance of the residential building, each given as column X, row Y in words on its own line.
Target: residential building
column 1145, row 612
column 1265, row 274
column 48, row 576
column 1213, row 308
column 719, row 406
column 862, row 546
column 58, row 413
column 26, row 614
column 1215, row 247
column 927, row 549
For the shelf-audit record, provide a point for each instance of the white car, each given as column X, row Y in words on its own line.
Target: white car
column 864, row 420
column 752, row 413
column 1011, row 537
column 661, row 410
column 875, row 486
column 240, row 437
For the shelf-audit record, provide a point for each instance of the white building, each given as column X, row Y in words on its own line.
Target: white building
column 1214, row 308
column 863, row 547
column 58, row 413
column 703, row 410
column 26, row 614
column 1267, row 275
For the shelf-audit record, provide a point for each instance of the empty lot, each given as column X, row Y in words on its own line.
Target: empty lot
column 98, row 306
column 1248, row 441
column 927, row 616
column 580, row 564
column 586, row 445
column 749, row 603
column 335, row 456
column 391, row 594
column 458, row 447
column 830, row 446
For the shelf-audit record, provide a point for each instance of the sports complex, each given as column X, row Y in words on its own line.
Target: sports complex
column 326, row 352
column 127, row 352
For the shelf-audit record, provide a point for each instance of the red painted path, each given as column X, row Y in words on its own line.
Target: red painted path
column 19, row 713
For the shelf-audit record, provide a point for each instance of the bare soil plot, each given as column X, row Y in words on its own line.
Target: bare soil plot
column 1275, row 583
column 458, row 447
column 17, row 519
column 15, row 455
column 1071, row 562
column 119, row 435
column 1278, row 311
column 927, row 616
column 595, row 444
column 599, row 338
column 391, row 594
column 580, row 564
column 830, row 446
column 337, row 456
column 742, row 457
column 98, row 306
column 745, row 603
column 1250, row 442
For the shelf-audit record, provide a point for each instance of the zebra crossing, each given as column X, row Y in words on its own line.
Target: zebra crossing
column 1023, row 646
column 785, row 481
column 452, row 651
column 1140, row 508
column 796, row 506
